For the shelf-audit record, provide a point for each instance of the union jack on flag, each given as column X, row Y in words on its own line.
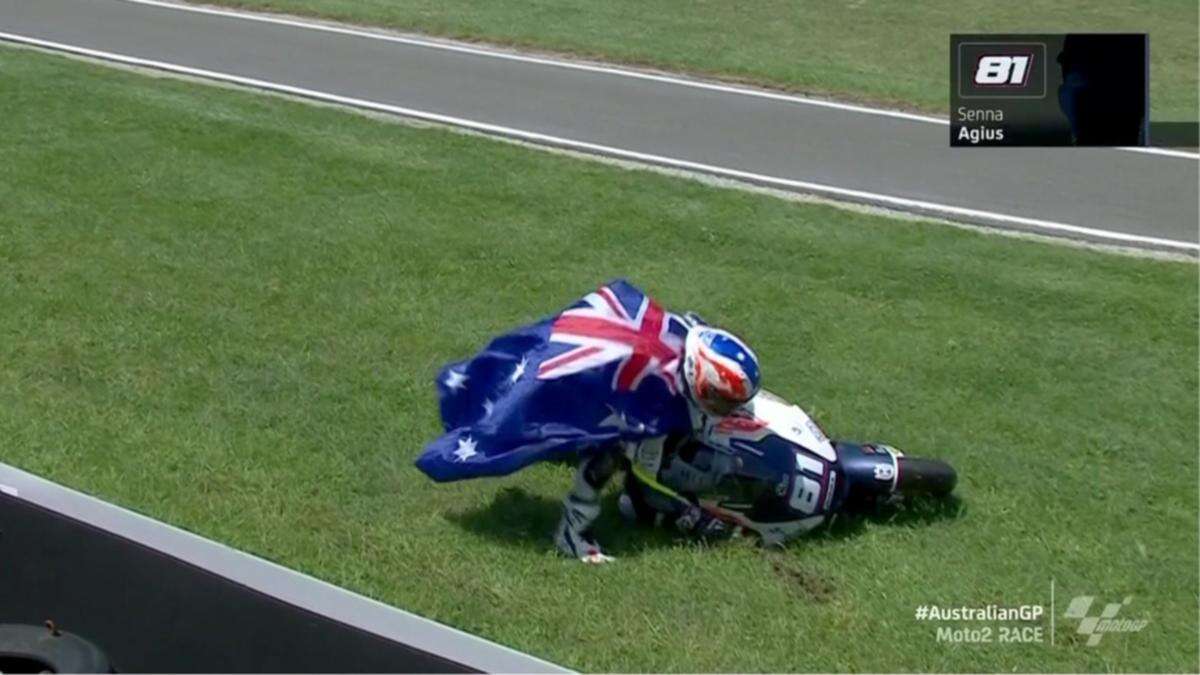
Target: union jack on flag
column 610, row 325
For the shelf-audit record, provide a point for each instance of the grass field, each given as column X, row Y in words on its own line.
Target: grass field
column 225, row 309
column 894, row 53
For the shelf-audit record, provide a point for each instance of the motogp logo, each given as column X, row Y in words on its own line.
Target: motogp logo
column 1003, row 70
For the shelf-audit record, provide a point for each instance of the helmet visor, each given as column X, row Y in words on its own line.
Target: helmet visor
column 718, row 405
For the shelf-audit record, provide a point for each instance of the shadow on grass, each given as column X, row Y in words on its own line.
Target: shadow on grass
column 517, row 518
column 913, row 512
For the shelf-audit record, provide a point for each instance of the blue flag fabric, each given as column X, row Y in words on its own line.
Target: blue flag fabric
column 604, row 370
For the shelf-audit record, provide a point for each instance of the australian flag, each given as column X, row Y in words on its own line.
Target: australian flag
column 604, row 370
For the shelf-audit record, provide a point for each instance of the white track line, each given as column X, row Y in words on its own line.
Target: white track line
column 1162, row 151
column 541, row 60
column 874, row 198
column 589, row 67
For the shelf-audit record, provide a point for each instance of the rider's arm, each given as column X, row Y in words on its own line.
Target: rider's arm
column 645, row 461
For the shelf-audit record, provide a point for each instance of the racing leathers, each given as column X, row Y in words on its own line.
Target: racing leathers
column 651, row 466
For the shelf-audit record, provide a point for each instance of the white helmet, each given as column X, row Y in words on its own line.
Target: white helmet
column 721, row 372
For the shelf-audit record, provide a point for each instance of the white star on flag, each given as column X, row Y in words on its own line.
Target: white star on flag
column 466, row 449
column 455, row 380
column 519, row 370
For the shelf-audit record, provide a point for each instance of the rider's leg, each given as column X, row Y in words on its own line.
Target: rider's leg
column 581, row 507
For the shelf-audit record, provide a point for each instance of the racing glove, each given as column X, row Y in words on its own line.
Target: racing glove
column 700, row 523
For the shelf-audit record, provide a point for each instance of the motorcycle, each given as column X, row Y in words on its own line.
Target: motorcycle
column 771, row 470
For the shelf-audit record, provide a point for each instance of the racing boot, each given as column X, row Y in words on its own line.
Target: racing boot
column 581, row 507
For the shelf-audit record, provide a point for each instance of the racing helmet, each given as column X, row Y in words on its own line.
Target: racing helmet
column 720, row 371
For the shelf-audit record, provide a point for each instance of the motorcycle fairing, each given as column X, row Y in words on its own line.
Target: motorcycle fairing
column 775, row 444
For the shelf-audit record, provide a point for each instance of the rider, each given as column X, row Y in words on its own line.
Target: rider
column 614, row 380
column 719, row 374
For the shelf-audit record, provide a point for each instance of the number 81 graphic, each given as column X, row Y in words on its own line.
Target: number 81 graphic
column 1003, row 70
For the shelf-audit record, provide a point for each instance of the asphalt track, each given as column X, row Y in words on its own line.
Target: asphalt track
column 844, row 152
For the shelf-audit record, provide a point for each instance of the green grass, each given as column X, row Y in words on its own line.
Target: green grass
column 894, row 53
column 225, row 310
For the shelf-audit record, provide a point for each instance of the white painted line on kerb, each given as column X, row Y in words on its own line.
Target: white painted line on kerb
column 874, row 198
column 589, row 67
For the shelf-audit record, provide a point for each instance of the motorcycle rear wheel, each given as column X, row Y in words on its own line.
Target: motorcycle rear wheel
column 919, row 476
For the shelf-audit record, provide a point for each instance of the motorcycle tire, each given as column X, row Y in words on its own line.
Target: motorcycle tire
column 919, row 476
column 41, row 649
